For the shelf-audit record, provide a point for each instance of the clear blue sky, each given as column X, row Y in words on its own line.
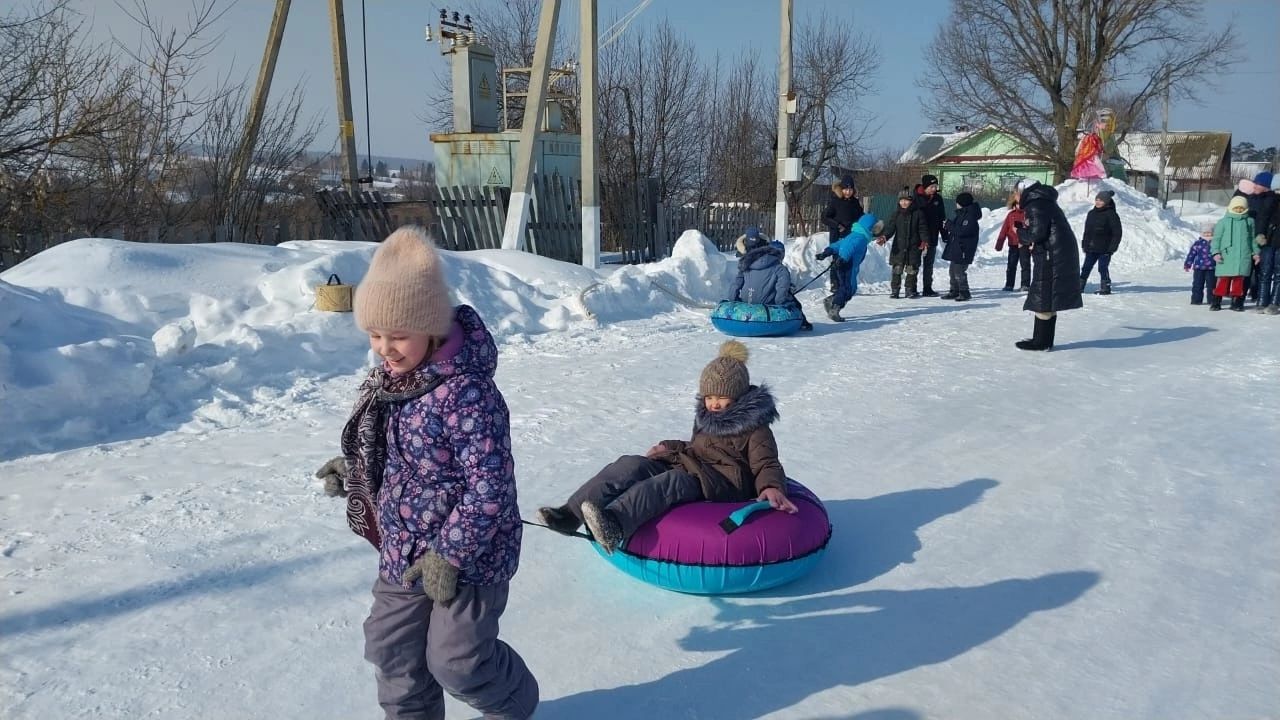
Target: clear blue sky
column 402, row 64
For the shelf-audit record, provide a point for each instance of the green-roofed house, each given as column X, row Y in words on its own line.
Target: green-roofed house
column 986, row 162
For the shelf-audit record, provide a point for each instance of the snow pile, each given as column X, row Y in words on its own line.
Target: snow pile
column 130, row 337
column 696, row 274
column 1152, row 235
column 133, row 337
column 136, row 338
column 61, row 366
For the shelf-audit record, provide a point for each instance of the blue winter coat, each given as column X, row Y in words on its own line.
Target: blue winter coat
column 963, row 245
column 1199, row 257
column 852, row 248
column 762, row 278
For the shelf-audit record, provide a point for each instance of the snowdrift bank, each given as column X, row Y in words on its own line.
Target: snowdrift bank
column 1152, row 234
column 102, row 339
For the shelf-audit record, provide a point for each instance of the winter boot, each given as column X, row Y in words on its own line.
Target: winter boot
column 603, row 526
column 1105, row 289
column 951, row 295
column 963, row 296
column 914, row 295
column 1007, row 289
column 1273, row 309
column 560, row 519
column 1216, row 303
column 1237, row 304
column 895, row 295
column 1041, row 336
column 1025, row 288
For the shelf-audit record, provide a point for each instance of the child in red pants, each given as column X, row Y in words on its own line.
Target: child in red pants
column 1235, row 254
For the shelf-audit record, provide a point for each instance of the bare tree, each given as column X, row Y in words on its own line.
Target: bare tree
column 279, row 171
column 834, row 70
column 653, row 111
column 1035, row 67
column 170, row 110
column 740, row 132
column 56, row 91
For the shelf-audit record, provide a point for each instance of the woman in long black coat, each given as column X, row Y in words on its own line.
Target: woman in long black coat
column 1055, row 284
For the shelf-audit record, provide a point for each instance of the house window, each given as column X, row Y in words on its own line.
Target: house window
column 973, row 182
column 1009, row 181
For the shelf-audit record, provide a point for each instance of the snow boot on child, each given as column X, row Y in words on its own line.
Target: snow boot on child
column 560, row 519
column 1237, row 304
column 603, row 526
column 833, row 312
column 1216, row 303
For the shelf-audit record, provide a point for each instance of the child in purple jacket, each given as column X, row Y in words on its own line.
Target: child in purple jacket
column 1200, row 263
column 430, row 482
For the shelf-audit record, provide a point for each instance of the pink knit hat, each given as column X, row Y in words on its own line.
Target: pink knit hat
column 404, row 288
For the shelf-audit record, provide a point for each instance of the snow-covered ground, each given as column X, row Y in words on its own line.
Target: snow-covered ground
column 1087, row 533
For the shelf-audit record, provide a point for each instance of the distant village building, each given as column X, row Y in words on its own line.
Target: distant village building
column 989, row 161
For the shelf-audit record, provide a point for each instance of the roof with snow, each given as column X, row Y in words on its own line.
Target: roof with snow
column 1192, row 155
column 930, row 144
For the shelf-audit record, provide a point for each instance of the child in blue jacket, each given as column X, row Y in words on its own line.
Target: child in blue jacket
column 848, row 253
column 1200, row 264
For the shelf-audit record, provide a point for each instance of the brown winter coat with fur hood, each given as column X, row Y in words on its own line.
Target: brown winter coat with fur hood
column 733, row 452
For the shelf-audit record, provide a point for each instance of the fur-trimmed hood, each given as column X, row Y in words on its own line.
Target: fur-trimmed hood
column 756, row 408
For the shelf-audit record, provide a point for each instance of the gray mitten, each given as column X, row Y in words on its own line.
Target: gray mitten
column 439, row 577
column 334, row 475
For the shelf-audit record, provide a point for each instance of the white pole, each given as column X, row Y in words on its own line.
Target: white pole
column 784, row 121
column 590, row 144
column 518, row 210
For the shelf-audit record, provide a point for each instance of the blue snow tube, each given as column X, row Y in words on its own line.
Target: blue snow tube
column 741, row 319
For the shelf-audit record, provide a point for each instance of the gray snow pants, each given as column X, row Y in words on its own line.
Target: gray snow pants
column 420, row 648
column 636, row 489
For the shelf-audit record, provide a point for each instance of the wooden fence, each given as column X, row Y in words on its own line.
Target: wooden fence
column 633, row 222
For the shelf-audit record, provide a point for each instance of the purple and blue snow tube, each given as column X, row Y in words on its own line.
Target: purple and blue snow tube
column 688, row 549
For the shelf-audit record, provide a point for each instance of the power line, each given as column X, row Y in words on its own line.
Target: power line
column 615, row 31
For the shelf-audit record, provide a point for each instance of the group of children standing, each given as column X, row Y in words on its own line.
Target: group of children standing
column 918, row 224
column 1237, row 255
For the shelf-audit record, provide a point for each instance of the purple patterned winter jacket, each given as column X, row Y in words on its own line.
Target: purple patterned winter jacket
column 449, row 482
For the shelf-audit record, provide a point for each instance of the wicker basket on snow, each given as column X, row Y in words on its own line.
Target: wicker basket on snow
column 333, row 296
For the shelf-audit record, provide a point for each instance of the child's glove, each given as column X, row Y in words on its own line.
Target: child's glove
column 1261, row 240
column 334, row 475
column 824, row 254
column 439, row 577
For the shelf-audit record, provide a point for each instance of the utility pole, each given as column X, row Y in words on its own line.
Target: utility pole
column 244, row 154
column 784, row 121
column 522, row 178
column 1164, row 146
column 346, row 123
column 590, row 146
